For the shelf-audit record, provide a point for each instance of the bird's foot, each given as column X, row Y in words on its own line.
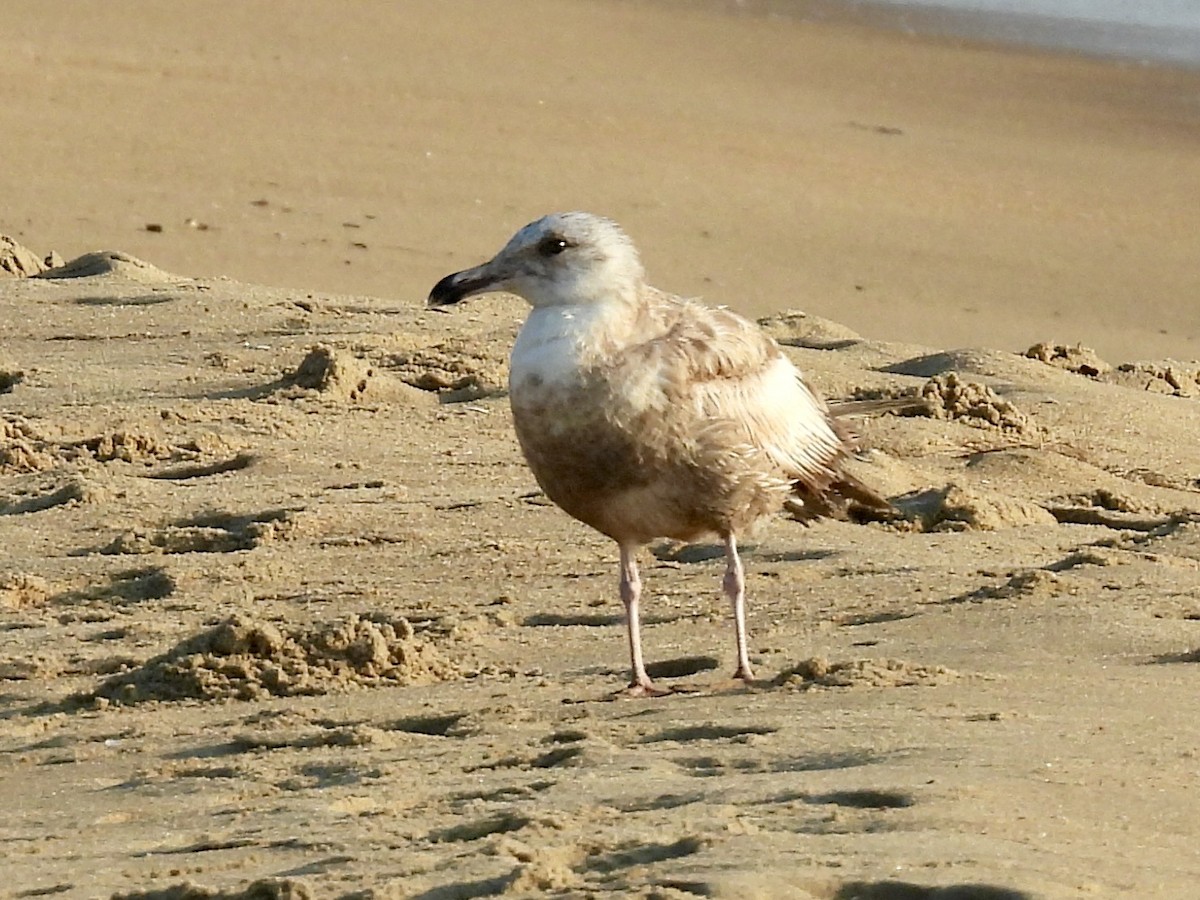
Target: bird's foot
column 744, row 673
column 646, row 688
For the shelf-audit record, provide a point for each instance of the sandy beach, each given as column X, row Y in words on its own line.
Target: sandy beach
column 283, row 614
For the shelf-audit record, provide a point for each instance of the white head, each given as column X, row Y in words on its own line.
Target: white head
column 564, row 259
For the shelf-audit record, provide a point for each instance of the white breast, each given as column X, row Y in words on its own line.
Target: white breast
column 551, row 344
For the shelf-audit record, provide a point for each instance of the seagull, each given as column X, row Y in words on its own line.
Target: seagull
column 646, row 415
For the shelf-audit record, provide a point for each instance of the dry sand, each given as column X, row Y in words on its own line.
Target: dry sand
column 279, row 600
column 919, row 191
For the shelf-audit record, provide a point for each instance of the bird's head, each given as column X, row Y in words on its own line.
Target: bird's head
column 564, row 259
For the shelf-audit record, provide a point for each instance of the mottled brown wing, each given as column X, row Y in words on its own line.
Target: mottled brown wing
column 733, row 391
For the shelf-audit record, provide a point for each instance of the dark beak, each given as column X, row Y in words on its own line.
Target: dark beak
column 460, row 285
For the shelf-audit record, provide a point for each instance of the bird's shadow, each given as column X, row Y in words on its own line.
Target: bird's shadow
column 687, row 554
column 591, row 620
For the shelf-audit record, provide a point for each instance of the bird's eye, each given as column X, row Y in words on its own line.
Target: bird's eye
column 552, row 246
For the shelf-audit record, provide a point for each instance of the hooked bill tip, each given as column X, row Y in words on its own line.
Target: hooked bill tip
column 454, row 288
column 444, row 293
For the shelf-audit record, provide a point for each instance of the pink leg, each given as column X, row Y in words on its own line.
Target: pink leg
column 631, row 592
column 735, row 589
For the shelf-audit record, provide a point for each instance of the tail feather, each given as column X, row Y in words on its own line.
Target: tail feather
column 858, row 492
column 845, row 496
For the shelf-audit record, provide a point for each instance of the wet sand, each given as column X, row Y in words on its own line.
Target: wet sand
column 917, row 190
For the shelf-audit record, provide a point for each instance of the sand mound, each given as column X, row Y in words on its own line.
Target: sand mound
column 128, row 446
column 947, row 396
column 110, row 263
column 958, row 508
column 23, row 448
column 1106, row 498
column 1165, row 377
column 457, row 370
column 343, row 376
column 1171, row 377
column 39, row 494
column 819, row 672
column 1078, row 359
column 22, row 262
column 794, row 328
column 1035, row 583
column 219, row 532
column 245, row 659
column 950, row 397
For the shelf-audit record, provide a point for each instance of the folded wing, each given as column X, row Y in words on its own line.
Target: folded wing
column 731, row 399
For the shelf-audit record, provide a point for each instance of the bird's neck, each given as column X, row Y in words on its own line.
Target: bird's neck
column 559, row 340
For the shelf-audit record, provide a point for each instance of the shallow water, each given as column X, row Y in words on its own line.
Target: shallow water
column 1148, row 31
